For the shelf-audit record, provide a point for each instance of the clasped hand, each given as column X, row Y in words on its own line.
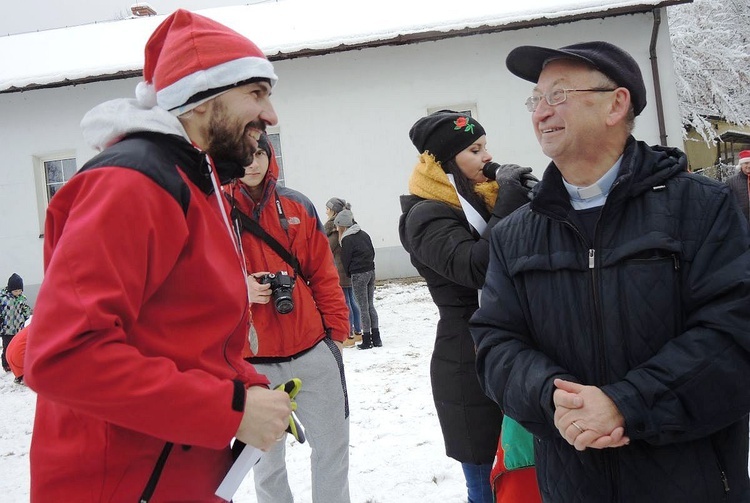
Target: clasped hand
column 586, row 417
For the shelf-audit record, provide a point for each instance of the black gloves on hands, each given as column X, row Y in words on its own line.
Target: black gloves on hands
column 510, row 174
column 515, row 184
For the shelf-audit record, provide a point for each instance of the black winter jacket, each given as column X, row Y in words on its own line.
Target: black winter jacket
column 357, row 252
column 738, row 184
column 654, row 311
column 453, row 260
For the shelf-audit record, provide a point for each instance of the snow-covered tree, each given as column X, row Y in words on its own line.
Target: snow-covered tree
column 711, row 47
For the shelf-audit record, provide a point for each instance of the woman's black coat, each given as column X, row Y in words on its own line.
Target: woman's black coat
column 453, row 260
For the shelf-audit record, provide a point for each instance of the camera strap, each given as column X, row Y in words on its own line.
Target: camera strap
column 254, row 228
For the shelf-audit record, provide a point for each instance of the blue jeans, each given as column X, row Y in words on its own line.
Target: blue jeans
column 355, row 321
column 478, row 482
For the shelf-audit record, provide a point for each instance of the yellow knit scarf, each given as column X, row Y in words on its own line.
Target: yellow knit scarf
column 429, row 181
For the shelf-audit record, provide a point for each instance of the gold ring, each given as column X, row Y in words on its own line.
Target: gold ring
column 577, row 427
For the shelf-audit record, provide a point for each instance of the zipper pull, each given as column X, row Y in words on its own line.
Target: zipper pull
column 725, row 481
column 592, row 253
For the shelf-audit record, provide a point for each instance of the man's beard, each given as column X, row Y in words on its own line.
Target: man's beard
column 228, row 140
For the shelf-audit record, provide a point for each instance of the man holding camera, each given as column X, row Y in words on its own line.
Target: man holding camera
column 300, row 320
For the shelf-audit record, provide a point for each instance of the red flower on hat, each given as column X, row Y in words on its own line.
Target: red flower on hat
column 463, row 123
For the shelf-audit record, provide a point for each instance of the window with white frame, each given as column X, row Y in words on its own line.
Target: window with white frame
column 51, row 172
column 56, row 173
column 275, row 138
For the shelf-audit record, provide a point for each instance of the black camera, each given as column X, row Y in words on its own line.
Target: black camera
column 281, row 290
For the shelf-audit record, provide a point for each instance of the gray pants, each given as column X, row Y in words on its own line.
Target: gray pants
column 323, row 410
column 363, row 284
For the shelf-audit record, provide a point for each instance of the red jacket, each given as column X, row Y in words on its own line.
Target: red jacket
column 138, row 331
column 318, row 305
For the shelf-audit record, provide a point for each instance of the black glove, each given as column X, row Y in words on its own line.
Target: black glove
column 512, row 174
column 515, row 187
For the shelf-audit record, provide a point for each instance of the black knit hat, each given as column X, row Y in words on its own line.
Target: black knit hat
column 15, row 282
column 445, row 133
column 528, row 61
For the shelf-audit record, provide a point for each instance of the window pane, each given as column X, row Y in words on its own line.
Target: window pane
column 53, row 171
column 69, row 168
column 53, row 188
column 57, row 172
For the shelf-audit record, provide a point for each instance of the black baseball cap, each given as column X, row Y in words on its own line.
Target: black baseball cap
column 528, row 61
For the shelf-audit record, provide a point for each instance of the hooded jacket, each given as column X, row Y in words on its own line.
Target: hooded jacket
column 14, row 311
column 319, row 304
column 653, row 311
column 357, row 252
column 139, row 323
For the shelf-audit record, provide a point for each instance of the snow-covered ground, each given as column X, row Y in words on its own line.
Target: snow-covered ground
column 396, row 449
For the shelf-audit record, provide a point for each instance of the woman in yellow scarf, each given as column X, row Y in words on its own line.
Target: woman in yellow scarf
column 446, row 219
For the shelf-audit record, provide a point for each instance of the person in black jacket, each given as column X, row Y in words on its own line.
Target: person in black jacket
column 740, row 183
column 614, row 321
column 358, row 258
column 446, row 218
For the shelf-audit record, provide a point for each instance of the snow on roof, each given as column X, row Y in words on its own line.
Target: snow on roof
column 282, row 29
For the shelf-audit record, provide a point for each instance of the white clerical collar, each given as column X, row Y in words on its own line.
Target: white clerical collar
column 594, row 195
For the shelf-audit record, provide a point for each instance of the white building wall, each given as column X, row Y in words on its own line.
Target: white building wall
column 344, row 122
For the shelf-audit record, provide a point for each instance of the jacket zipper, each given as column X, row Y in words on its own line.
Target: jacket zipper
column 609, row 457
column 720, row 466
column 148, row 491
column 609, row 461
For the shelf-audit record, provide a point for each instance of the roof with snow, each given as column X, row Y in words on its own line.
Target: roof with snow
column 284, row 29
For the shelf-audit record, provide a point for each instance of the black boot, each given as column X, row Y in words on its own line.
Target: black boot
column 366, row 341
column 376, row 342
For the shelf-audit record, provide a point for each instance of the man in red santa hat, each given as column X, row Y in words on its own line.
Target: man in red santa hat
column 136, row 352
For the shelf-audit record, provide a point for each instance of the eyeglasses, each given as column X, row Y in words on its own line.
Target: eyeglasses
column 559, row 96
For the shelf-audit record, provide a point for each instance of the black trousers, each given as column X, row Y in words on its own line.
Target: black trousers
column 6, row 341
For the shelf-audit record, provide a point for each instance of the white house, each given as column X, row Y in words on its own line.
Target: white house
column 354, row 76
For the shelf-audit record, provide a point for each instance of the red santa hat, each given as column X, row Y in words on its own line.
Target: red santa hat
column 744, row 156
column 191, row 59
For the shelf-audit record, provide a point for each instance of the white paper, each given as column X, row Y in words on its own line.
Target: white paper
column 241, row 467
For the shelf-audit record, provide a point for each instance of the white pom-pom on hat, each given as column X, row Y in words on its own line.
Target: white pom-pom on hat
column 145, row 93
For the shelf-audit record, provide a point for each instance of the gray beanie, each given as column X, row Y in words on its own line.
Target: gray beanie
column 345, row 218
column 336, row 204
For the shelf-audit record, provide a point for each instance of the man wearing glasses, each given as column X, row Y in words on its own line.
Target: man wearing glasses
column 614, row 321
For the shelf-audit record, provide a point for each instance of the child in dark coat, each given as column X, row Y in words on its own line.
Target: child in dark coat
column 14, row 311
